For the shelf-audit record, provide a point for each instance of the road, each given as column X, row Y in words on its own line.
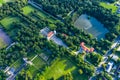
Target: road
column 12, row 77
column 108, row 53
column 115, row 44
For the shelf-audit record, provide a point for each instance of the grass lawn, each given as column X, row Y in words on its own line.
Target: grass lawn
column 17, row 63
column 38, row 62
column 1, row 1
column 60, row 67
column 7, row 22
column 28, row 9
column 2, row 43
column 109, row 6
column 33, row 70
column 4, row 1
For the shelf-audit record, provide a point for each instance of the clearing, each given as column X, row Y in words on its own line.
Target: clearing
column 8, row 21
column 109, row 6
column 60, row 67
column 28, row 9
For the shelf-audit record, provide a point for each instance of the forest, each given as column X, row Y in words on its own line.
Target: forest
column 30, row 41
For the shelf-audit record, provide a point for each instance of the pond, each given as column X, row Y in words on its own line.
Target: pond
column 4, row 39
column 91, row 25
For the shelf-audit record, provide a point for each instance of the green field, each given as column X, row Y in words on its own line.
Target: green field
column 60, row 67
column 28, row 9
column 109, row 6
column 4, row 1
column 38, row 62
column 2, row 43
column 1, row 1
column 8, row 21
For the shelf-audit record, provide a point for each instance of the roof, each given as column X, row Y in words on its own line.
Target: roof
column 109, row 66
column 50, row 34
column 115, row 57
column 82, row 44
column 118, row 48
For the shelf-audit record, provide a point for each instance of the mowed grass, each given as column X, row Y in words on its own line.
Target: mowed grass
column 2, row 43
column 38, row 62
column 60, row 67
column 8, row 21
column 1, row 1
column 4, row 1
column 28, row 9
column 109, row 6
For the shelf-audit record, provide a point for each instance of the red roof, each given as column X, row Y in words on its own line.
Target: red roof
column 50, row 34
column 82, row 44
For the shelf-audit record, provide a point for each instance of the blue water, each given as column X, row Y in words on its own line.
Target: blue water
column 91, row 25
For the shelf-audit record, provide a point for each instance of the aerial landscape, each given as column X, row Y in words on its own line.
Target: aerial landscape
column 59, row 39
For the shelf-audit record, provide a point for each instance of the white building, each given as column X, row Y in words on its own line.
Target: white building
column 114, row 57
column 109, row 66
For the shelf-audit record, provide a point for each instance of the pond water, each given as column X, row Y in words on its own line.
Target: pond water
column 91, row 25
column 5, row 39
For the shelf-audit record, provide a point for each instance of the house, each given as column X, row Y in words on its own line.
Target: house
column 118, row 4
column 28, row 62
column 118, row 49
column 47, row 33
column 82, row 44
column 6, row 69
column 109, row 67
column 11, row 71
column 50, row 34
column 114, row 57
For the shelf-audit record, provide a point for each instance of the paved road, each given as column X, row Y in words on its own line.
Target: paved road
column 12, row 77
column 115, row 44
column 109, row 52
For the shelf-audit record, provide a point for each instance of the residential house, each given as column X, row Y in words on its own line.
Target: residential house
column 86, row 49
column 109, row 66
